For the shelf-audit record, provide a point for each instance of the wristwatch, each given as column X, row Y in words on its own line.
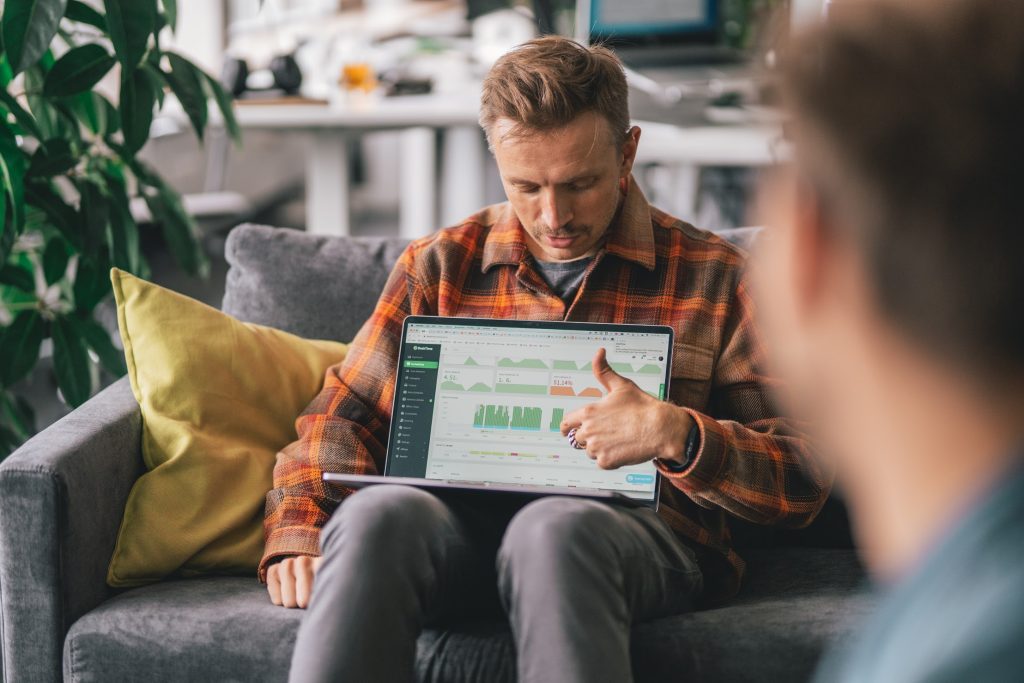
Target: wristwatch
column 689, row 452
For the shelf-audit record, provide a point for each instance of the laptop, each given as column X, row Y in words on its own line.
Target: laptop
column 479, row 403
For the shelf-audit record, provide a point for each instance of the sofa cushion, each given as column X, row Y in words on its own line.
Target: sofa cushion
column 310, row 285
column 225, row 629
column 214, row 415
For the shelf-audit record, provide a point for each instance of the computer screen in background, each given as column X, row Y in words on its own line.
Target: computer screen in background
column 640, row 18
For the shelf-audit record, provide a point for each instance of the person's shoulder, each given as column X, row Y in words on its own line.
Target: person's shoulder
column 675, row 238
column 466, row 232
column 463, row 240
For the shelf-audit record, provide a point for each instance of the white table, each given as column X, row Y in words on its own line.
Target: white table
column 682, row 150
column 330, row 127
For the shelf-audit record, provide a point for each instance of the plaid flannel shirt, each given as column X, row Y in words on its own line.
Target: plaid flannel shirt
column 653, row 269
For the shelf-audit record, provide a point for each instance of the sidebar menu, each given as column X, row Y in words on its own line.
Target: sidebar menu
column 414, row 410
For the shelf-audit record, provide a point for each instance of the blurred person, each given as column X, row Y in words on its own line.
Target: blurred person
column 891, row 291
column 576, row 240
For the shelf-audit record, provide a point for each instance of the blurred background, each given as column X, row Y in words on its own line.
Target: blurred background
column 359, row 116
column 350, row 117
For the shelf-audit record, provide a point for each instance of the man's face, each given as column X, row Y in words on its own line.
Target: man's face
column 564, row 185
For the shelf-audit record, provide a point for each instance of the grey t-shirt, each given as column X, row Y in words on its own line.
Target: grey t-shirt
column 564, row 277
column 960, row 616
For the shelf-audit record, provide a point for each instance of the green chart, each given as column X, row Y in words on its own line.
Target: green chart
column 556, row 419
column 455, row 386
column 497, row 417
column 532, row 363
column 622, row 368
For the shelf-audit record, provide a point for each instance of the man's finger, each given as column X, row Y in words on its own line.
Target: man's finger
column 608, row 378
column 274, row 584
column 573, row 419
column 303, row 581
column 287, row 575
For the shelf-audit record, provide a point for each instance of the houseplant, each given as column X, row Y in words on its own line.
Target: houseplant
column 68, row 171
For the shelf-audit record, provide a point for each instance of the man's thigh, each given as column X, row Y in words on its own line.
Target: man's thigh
column 583, row 550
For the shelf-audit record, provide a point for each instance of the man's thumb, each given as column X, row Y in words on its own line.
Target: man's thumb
column 608, row 378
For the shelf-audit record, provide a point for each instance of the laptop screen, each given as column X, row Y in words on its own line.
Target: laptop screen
column 616, row 21
column 483, row 400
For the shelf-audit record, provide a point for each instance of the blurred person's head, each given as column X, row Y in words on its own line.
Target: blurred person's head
column 556, row 116
column 892, row 279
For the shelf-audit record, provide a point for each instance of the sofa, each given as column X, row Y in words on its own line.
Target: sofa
column 63, row 493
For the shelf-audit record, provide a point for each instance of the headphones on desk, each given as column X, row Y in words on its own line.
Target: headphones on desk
column 287, row 76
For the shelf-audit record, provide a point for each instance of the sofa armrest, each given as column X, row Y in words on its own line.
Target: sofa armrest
column 62, row 496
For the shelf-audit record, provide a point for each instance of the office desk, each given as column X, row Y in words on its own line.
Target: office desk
column 682, row 150
column 330, row 127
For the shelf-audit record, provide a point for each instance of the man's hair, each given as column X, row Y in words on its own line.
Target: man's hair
column 546, row 83
column 913, row 117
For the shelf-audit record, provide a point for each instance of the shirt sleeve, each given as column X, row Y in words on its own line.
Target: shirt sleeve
column 344, row 429
column 751, row 461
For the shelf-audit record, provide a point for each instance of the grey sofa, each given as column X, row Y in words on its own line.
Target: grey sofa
column 62, row 495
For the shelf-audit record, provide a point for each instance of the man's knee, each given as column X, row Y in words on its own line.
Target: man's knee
column 554, row 529
column 383, row 516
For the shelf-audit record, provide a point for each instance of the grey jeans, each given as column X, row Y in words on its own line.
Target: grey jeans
column 572, row 575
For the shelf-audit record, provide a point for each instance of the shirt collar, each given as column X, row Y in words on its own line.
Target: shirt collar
column 631, row 235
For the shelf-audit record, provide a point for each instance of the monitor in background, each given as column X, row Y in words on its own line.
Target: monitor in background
column 654, row 32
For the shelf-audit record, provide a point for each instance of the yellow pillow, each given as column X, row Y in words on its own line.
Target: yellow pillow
column 219, row 398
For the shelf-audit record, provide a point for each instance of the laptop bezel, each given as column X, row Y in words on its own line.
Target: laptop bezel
column 531, row 324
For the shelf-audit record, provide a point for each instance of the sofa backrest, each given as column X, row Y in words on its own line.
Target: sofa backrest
column 311, row 285
column 315, row 286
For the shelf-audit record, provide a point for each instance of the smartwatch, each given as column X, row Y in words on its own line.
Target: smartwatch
column 689, row 452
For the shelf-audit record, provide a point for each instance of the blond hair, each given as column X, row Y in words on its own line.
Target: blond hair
column 548, row 82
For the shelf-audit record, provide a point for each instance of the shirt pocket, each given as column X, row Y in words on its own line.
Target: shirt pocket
column 692, row 369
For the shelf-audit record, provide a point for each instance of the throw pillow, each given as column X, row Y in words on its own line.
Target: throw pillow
column 219, row 398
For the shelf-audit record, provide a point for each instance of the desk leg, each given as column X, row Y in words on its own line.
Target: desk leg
column 462, row 167
column 418, row 182
column 327, row 184
column 686, row 181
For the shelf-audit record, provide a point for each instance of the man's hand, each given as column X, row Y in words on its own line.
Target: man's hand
column 290, row 581
column 628, row 426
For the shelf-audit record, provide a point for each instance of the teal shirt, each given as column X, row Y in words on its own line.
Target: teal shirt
column 960, row 616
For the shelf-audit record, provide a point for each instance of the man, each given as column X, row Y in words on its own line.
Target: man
column 576, row 241
column 893, row 293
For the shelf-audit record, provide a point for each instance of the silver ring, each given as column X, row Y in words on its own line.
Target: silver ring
column 572, row 440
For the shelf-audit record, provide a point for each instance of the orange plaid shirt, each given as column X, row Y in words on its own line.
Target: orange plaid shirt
column 653, row 269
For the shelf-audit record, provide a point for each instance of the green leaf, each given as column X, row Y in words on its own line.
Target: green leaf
column 186, row 81
column 95, row 209
column 20, row 346
column 28, row 26
column 55, row 260
column 16, row 276
column 225, row 104
column 137, row 101
column 123, row 232
column 7, row 235
column 99, row 340
column 60, row 214
column 130, row 23
column 95, row 112
column 12, row 177
column 21, row 115
column 178, row 228
column 52, row 158
column 171, row 13
column 92, row 284
column 17, row 415
column 84, row 14
column 70, row 362
column 78, row 70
